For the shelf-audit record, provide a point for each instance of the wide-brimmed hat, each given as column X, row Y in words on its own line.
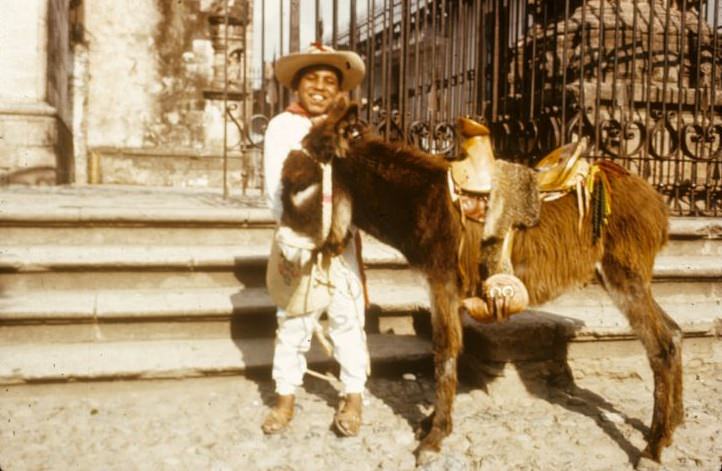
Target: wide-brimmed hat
column 348, row 63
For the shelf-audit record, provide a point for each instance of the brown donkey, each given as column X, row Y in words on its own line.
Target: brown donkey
column 400, row 195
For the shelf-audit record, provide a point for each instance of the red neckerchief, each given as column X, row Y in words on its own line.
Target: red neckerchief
column 296, row 108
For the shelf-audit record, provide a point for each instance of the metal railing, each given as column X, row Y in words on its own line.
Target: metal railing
column 642, row 79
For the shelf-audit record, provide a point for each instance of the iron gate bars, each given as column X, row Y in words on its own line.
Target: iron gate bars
column 642, row 79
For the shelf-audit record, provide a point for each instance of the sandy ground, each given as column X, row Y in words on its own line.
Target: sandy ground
column 213, row 424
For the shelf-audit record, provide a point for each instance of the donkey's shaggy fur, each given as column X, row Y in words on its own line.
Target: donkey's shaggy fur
column 301, row 197
column 400, row 195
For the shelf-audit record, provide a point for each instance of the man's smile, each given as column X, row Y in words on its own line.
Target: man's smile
column 317, row 89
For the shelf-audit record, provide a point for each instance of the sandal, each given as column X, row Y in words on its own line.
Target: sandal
column 348, row 416
column 279, row 416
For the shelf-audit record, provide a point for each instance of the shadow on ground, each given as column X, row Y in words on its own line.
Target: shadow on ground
column 535, row 344
column 542, row 366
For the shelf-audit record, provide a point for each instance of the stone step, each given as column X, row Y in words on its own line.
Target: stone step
column 56, row 257
column 108, row 204
column 89, row 206
column 692, row 247
column 166, row 278
column 157, row 313
column 37, row 363
column 542, row 335
column 40, row 258
column 129, row 216
column 407, row 293
column 88, row 315
column 111, row 282
column 137, row 235
column 135, row 219
column 117, row 215
column 27, row 269
column 536, row 341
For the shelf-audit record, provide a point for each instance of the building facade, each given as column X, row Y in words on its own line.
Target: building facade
column 158, row 93
column 122, row 92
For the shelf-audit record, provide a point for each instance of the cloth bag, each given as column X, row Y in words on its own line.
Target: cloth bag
column 303, row 287
column 298, row 288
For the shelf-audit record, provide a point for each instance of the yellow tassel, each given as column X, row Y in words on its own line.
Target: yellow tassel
column 580, row 204
column 597, row 174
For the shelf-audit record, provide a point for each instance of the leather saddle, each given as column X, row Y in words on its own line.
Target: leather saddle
column 562, row 168
column 473, row 174
column 558, row 171
column 504, row 196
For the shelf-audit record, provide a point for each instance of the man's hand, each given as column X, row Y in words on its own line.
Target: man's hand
column 296, row 255
column 295, row 247
column 319, row 119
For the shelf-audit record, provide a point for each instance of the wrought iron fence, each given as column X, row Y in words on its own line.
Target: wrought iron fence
column 642, row 79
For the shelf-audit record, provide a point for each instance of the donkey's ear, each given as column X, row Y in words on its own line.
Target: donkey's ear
column 351, row 115
column 348, row 120
column 344, row 129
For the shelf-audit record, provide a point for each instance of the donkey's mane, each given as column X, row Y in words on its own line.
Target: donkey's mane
column 395, row 161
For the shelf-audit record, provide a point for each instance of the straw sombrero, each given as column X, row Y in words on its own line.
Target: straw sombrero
column 349, row 63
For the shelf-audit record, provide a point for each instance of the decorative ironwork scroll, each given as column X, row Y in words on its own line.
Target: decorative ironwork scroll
column 642, row 79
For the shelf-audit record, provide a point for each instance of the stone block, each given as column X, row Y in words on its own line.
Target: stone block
column 19, row 158
column 23, row 60
column 28, row 130
column 35, row 146
column 152, row 167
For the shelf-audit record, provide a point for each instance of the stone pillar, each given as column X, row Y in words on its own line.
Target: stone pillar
column 35, row 116
column 236, row 55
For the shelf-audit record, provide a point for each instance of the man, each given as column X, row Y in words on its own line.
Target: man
column 318, row 76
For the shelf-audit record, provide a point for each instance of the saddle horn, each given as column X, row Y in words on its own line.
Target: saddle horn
column 473, row 173
column 469, row 128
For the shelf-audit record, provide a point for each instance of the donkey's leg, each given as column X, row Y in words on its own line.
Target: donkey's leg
column 662, row 339
column 447, row 341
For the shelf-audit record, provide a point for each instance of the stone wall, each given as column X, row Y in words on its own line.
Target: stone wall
column 137, row 74
column 23, row 34
column 149, row 63
column 181, row 169
column 35, row 110
column 123, row 71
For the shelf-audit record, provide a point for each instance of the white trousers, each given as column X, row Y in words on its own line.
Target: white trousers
column 346, row 328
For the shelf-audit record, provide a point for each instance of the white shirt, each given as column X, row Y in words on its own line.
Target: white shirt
column 284, row 134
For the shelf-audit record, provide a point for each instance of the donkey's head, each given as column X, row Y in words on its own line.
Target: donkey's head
column 331, row 137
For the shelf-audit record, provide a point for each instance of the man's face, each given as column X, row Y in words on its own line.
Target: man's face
column 317, row 89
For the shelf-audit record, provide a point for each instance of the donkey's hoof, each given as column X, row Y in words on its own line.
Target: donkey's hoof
column 429, row 448
column 444, row 462
column 647, row 464
column 426, row 457
column 653, row 451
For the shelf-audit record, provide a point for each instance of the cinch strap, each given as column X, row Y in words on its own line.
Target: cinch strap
column 326, row 201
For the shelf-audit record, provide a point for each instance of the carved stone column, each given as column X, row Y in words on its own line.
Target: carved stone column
column 231, row 44
column 35, row 115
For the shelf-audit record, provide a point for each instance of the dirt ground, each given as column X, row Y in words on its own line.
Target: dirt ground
column 214, row 424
